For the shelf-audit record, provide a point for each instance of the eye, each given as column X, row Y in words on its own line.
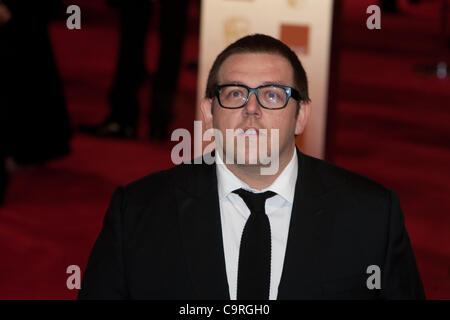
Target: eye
column 235, row 93
column 272, row 95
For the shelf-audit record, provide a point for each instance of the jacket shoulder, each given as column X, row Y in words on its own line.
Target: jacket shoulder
column 156, row 180
column 161, row 184
column 348, row 181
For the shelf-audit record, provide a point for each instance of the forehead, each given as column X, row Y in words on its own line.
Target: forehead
column 254, row 69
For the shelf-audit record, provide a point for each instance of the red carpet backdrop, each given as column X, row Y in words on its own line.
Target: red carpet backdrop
column 391, row 124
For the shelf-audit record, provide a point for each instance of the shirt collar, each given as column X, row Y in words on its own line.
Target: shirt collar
column 284, row 185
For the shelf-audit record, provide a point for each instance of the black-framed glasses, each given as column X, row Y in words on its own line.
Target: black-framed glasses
column 269, row 96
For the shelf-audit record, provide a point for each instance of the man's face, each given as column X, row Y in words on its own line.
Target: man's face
column 253, row 70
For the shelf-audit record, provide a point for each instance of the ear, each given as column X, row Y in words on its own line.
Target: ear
column 206, row 112
column 302, row 117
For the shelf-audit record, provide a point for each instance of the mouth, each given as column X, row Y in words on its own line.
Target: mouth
column 250, row 131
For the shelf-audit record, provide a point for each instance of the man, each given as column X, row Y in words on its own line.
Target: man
column 311, row 230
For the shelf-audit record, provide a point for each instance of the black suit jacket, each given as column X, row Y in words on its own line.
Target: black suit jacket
column 162, row 239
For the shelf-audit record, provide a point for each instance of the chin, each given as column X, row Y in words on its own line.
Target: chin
column 250, row 157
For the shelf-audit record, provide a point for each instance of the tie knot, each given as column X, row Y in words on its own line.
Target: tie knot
column 255, row 201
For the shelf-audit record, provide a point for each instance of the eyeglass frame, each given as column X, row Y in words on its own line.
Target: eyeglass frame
column 290, row 92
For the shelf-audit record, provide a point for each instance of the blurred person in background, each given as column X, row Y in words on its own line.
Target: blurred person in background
column 5, row 17
column 35, row 125
column 389, row 6
column 392, row 6
column 131, row 72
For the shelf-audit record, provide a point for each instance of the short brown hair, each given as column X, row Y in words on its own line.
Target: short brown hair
column 259, row 43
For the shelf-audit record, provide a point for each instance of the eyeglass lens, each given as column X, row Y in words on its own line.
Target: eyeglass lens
column 269, row 97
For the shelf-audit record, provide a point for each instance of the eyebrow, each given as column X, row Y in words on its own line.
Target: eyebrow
column 263, row 84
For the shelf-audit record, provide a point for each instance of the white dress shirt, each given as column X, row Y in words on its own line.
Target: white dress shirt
column 234, row 214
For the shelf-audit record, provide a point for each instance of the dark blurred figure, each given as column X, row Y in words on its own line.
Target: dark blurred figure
column 3, row 178
column 34, row 122
column 389, row 6
column 131, row 72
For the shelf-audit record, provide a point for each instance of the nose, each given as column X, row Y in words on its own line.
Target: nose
column 252, row 107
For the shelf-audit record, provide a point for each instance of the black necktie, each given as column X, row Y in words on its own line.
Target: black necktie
column 255, row 249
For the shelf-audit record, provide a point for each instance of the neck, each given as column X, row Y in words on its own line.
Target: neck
column 251, row 174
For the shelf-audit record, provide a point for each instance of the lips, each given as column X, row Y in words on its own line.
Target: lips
column 253, row 131
column 250, row 131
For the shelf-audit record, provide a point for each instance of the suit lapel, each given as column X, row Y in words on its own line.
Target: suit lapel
column 309, row 232
column 201, row 232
